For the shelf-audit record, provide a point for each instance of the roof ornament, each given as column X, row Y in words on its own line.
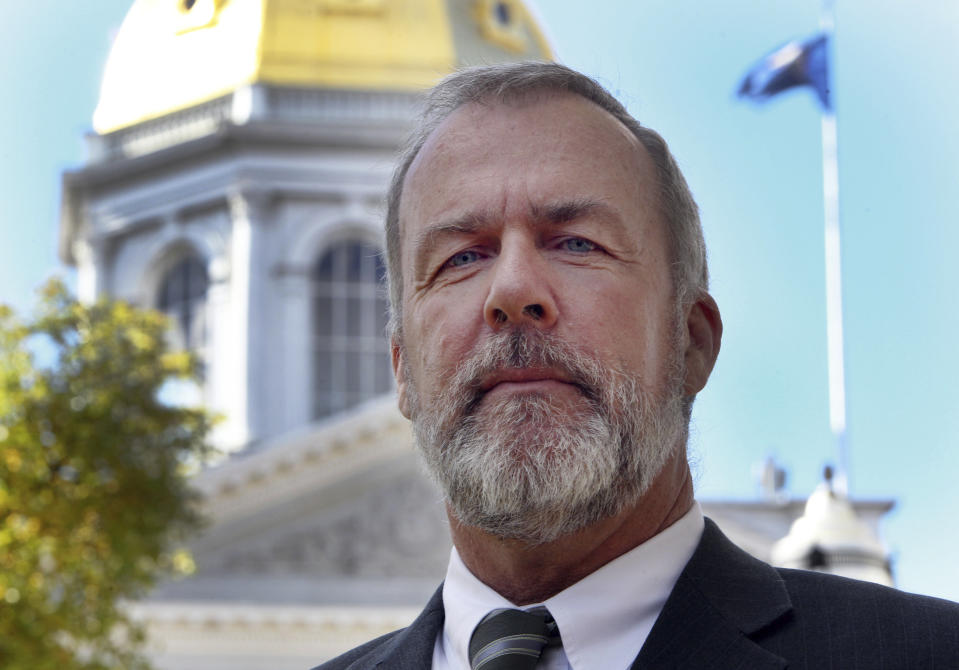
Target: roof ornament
column 830, row 537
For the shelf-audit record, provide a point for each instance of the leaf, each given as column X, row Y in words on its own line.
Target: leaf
column 94, row 499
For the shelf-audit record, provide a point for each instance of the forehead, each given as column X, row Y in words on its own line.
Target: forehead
column 548, row 145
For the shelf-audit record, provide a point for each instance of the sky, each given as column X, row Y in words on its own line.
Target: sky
column 756, row 173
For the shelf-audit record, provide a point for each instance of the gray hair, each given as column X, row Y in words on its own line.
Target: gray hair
column 516, row 82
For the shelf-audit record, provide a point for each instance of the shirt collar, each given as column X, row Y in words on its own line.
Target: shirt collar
column 604, row 618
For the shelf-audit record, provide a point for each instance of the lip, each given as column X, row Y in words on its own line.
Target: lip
column 523, row 377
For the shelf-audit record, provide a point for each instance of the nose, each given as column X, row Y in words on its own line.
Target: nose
column 520, row 292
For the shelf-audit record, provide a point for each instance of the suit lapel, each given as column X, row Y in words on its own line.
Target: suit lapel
column 413, row 646
column 723, row 596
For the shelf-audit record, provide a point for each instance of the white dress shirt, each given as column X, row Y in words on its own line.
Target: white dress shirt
column 603, row 619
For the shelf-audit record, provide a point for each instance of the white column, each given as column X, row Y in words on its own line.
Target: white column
column 247, row 282
column 90, row 257
column 220, row 371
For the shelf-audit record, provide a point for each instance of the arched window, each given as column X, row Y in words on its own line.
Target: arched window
column 182, row 297
column 351, row 360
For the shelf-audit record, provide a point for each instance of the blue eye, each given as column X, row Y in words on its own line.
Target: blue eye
column 463, row 258
column 578, row 245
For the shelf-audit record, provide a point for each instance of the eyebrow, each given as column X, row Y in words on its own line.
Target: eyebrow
column 549, row 214
column 427, row 240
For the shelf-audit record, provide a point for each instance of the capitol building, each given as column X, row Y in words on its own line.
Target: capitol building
column 236, row 180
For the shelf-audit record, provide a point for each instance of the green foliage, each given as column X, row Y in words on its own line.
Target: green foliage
column 93, row 492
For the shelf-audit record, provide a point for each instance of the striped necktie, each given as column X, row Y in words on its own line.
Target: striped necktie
column 509, row 639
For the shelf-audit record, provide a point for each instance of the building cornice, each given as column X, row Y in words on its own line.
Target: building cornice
column 284, row 118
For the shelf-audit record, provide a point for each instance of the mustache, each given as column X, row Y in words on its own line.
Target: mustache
column 525, row 348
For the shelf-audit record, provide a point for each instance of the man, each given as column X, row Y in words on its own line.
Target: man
column 551, row 328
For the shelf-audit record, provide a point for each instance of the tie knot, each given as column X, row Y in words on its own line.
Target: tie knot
column 509, row 639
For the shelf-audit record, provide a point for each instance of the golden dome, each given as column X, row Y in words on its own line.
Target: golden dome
column 172, row 54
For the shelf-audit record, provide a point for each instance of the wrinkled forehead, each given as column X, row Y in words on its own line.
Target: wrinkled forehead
column 556, row 122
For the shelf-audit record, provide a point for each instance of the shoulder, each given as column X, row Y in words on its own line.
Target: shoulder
column 814, row 591
column 812, row 618
column 897, row 628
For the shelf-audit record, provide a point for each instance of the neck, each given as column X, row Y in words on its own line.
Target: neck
column 525, row 574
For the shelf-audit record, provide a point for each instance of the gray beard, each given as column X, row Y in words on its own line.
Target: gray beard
column 530, row 466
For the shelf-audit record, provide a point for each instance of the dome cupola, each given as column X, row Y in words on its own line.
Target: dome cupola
column 173, row 54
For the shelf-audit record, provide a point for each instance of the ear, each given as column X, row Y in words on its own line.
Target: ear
column 705, row 332
column 399, row 373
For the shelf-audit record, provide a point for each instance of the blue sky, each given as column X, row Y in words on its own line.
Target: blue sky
column 756, row 173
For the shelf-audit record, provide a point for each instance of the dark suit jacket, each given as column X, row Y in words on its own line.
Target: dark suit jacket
column 729, row 610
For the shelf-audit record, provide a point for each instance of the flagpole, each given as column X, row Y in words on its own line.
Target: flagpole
column 834, row 329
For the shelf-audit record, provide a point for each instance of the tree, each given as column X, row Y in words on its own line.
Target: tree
column 94, row 493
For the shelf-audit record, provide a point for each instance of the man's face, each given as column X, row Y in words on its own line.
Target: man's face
column 540, row 355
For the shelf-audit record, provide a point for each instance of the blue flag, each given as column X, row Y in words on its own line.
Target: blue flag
column 798, row 63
